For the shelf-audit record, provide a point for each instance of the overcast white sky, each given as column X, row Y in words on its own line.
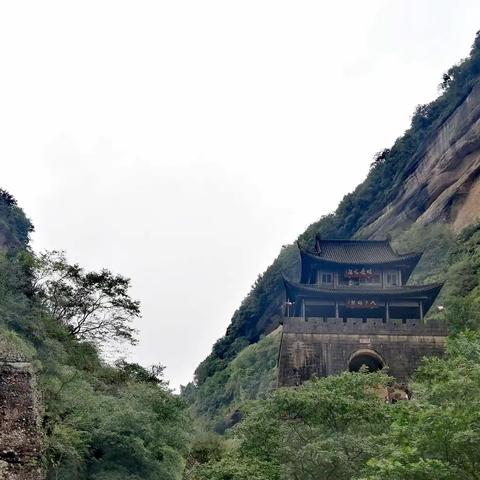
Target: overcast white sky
column 181, row 143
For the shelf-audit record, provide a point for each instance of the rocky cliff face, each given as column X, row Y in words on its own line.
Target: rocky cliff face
column 21, row 436
column 20, row 431
column 444, row 180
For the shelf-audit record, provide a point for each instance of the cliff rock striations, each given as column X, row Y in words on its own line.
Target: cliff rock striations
column 444, row 182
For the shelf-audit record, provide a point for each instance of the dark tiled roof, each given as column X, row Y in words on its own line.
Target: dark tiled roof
column 359, row 252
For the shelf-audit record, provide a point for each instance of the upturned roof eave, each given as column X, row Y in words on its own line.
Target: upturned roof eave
column 412, row 291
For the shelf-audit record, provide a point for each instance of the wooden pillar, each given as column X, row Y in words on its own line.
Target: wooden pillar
column 336, row 309
column 420, row 306
column 303, row 308
column 387, row 311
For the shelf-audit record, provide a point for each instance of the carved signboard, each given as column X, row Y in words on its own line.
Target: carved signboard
column 360, row 303
column 361, row 272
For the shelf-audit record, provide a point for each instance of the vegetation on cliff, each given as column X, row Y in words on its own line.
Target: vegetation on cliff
column 340, row 428
column 388, row 170
column 101, row 421
column 250, row 375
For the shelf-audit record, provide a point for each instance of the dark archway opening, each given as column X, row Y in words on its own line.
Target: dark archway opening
column 372, row 362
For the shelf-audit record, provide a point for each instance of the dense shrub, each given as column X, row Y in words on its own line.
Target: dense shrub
column 101, row 421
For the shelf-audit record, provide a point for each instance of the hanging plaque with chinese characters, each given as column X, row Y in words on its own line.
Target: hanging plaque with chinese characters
column 361, row 272
column 360, row 303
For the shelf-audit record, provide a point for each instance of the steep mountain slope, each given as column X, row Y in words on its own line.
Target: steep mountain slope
column 429, row 175
column 444, row 183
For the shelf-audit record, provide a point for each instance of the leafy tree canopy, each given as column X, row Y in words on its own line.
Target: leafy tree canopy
column 93, row 306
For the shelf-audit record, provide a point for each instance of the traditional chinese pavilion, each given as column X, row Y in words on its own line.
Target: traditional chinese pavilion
column 353, row 307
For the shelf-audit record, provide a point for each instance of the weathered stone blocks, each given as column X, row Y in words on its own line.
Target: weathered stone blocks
column 321, row 347
column 20, row 432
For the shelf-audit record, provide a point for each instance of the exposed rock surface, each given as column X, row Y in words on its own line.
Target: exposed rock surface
column 444, row 183
column 20, row 432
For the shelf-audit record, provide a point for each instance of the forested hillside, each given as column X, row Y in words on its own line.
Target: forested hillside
column 100, row 421
column 381, row 197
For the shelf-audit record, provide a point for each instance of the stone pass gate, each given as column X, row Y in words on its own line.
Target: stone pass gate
column 352, row 307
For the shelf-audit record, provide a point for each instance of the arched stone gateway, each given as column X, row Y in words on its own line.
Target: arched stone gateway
column 372, row 360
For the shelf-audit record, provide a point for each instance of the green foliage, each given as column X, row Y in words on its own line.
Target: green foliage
column 438, row 435
column 15, row 228
column 132, row 430
column 327, row 429
column 437, row 244
column 250, row 375
column 234, row 467
column 12, row 346
column 461, row 293
column 206, row 447
column 93, row 306
column 135, row 372
column 340, row 428
column 101, row 422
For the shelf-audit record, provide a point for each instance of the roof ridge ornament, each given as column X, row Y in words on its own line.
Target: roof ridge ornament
column 318, row 243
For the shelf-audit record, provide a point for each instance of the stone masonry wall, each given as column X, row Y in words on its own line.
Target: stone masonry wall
column 321, row 348
column 20, row 433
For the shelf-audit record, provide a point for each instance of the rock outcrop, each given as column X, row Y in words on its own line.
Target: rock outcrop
column 20, row 432
column 444, row 180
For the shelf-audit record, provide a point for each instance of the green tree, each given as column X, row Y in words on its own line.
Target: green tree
column 132, row 430
column 438, row 434
column 93, row 306
column 326, row 429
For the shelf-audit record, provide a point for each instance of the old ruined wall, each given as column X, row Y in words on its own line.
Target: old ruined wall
column 321, row 348
column 444, row 183
column 20, row 430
